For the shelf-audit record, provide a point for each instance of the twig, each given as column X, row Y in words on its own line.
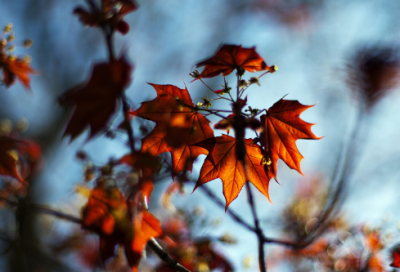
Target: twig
column 260, row 235
column 241, row 222
column 235, row 217
column 43, row 209
column 171, row 262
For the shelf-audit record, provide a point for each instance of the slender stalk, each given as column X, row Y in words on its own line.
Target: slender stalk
column 260, row 235
column 127, row 124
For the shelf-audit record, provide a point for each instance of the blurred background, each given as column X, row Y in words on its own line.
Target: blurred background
column 321, row 49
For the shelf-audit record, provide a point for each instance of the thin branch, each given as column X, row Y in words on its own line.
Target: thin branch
column 163, row 255
column 241, row 222
column 43, row 209
column 260, row 235
column 206, row 85
column 127, row 124
column 234, row 216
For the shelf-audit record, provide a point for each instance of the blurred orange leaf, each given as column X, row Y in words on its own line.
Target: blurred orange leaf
column 146, row 226
column 111, row 12
column 16, row 68
column 231, row 57
column 96, row 101
column 107, row 212
column 396, row 257
column 11, row 151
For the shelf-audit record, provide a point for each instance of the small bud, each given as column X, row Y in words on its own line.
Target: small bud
column 243, row 83
column 28, row 43
column 106, row 170
column 8, row 28
column 266, row 160
column 199, row 104
column 5, row 126
column 27, row 59
column 12, row 57
column 195, row 74
column 89, row 172
column 198, row 210
column 10, row 48
column 227, row 238
column 252, row 111
column 216, row 222
column 81, row 155
column 3, row 42
column 254, row 80
column 22, row 125
column 273, row 69
column 247, row 261
column 203, row 267
column 240, row 71
column 206, row 103
column 10, row 38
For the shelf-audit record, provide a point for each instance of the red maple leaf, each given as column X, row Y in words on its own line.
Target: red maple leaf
column 15, row 68
column 396, row 257
column 221, row 162
column 109, row 214
column 282, row 126
column 146, row 226
column 177, row 126
column 15, row 156
column 231, row 57
column 96, row 101
column 110, row 12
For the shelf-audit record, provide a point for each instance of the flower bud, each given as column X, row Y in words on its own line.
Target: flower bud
column 8, row 28
column 10, row 38
column 28, row 43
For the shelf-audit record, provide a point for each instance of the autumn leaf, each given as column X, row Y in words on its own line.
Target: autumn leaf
column 221, row 162
column 373, row 240
column 12, row 154
column 108, row 213
column 111, row 12
column 396, row 257
column 146, row 226
column 95, row 102
column 177, row 126
column 14, row 67
column 282, row 126
column 142, row 161
column 231, row 57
